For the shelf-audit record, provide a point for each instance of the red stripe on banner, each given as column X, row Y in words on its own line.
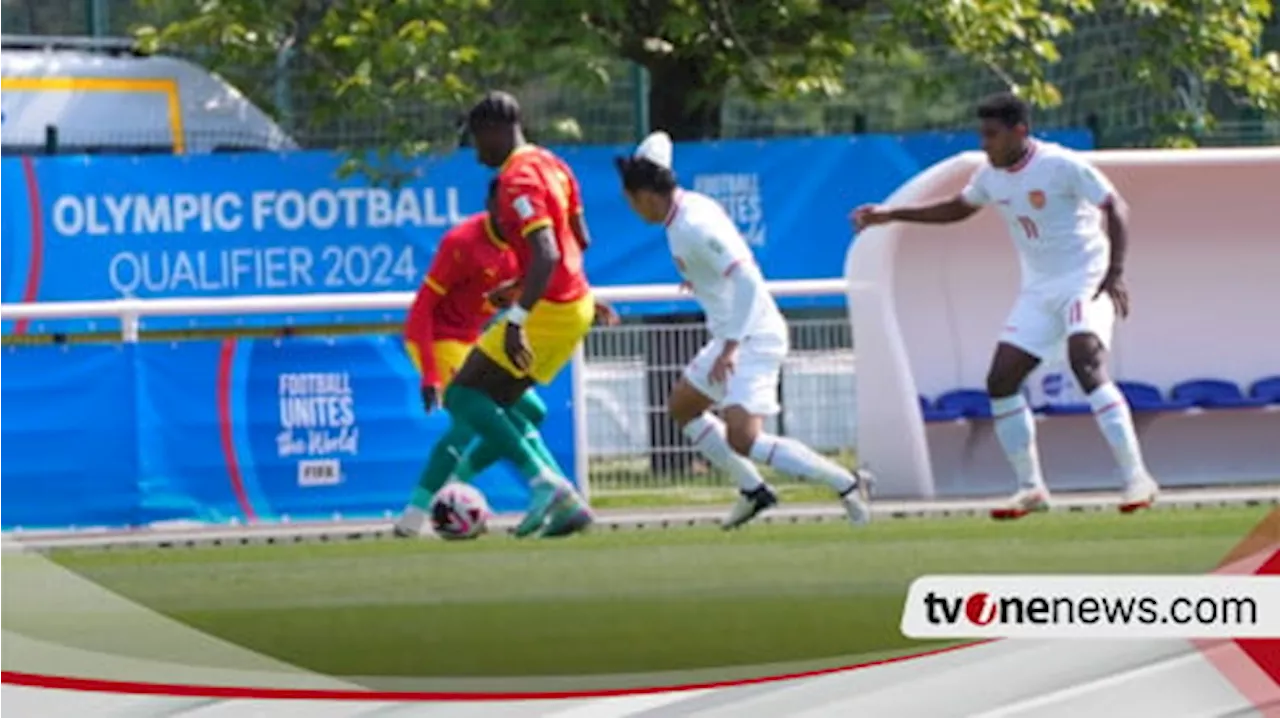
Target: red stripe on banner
column 35, row 268
column 94, row 685
column 1252, row 665
column 1266, row 652
column 225, row 358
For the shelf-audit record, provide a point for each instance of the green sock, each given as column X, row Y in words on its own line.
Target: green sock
column 444, row 458
column 527, row 414
column 495, row 428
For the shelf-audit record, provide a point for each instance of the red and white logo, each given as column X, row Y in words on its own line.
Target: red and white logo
column 980, row 609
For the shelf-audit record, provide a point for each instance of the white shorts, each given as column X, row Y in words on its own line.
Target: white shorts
column 1041, row 321
column 754, row 382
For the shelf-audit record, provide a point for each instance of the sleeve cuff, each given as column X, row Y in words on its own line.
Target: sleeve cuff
column 534, row 226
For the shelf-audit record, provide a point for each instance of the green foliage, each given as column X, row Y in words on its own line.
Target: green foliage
column 386, row 61
column 370, row 59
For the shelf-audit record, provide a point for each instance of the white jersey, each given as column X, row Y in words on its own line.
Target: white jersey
column 1050, row 202
column 709, row 251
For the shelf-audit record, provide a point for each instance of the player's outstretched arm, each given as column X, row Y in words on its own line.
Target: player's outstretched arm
column 955, row 209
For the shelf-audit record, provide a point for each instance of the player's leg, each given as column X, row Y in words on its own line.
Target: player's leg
column 556, row 331
column 751, row 394
column 527, row 414
column 477, row 398
column 1032, row 330
column 1090, row 324
column 488, row 383
column 689, row 406
column 445, row 454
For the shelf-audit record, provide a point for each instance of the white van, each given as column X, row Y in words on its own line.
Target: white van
column 92, row 95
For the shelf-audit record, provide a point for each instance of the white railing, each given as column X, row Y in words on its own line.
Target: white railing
column 131, row 312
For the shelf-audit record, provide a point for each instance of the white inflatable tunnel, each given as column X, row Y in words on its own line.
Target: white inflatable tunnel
column 926, row 304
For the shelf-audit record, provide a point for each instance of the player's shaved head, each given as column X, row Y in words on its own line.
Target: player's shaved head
column 494, row 123
column 1004, row 121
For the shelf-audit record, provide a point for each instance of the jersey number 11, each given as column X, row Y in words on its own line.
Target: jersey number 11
column 1029, row 227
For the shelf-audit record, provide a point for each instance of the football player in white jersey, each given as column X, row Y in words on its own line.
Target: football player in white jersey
column 1055, row 204
column 738, row 370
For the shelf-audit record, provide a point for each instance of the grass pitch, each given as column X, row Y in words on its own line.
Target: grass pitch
column 626, row 601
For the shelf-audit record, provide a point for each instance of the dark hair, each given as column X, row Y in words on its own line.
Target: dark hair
column 493, row 189
column 1006, row 108
column 639, row 173
column 496, row 108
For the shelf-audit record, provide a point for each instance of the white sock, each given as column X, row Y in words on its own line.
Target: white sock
column 1016, row 430
column 707, row 435
column 795, row 459
column 1111, row 410
column 413, row 520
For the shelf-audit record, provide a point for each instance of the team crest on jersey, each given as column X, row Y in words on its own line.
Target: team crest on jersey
column 1036, row 198
column 523, row 207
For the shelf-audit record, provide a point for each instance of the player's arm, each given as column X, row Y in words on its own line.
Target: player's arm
column 578, row 215
column 524, row 211
column 722, row 249
column 955, row 209
column 1091, row 185
column 544, row 255
column 1088, row 183
column 419, row 326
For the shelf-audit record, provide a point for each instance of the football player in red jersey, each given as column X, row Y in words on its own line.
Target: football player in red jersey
column 472, row 278
column 539, row 210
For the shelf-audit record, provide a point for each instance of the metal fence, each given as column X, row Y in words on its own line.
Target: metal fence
column 931, row 87
column 633, row 446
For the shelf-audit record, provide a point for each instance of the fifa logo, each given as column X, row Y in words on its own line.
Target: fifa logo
column 741, row 198
column 319, row 472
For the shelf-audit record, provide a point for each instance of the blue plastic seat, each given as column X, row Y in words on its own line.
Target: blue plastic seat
column 1064, row 409
column 933, row 413
column 1214, row 394
column 970, row 403
column 1266, row 389
column 1147, row 397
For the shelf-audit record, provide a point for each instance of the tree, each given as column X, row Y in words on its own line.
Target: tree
column 379, row 63
column 696, row 49
column 373, row 60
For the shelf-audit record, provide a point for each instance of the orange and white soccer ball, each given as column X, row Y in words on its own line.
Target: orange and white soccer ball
column 459, row 511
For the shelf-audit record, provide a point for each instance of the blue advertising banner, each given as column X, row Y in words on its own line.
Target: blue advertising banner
column 217, row 431
column 220, row 225
column 70, row 437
